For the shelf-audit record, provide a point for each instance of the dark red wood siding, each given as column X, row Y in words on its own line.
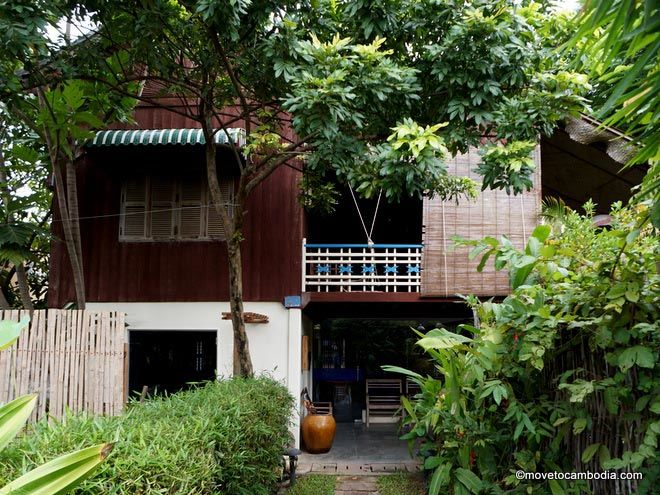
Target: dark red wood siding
column 176, row 271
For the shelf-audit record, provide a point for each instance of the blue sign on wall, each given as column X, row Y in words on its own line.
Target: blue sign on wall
column 292, row 302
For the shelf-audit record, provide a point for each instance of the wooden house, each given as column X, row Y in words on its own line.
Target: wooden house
column 153, row 249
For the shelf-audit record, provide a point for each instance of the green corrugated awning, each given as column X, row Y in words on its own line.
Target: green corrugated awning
column 165, row 136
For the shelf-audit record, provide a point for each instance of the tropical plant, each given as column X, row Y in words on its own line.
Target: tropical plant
column 617, row 43
column 59, row 475
column 42, row 94
column 24, row 215
column 562, row 375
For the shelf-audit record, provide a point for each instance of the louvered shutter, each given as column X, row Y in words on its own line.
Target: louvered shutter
column 163, row 203
column 133, row 209
column 214, row 228
column 191, row 224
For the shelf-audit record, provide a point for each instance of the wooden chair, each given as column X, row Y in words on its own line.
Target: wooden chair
column 383, row 397
column 412, row 388
column 324, row 408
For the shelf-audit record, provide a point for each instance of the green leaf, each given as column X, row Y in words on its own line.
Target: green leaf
column 561, row 421
column 579, row 389
column 468, row 479
column 579, row 425
column 432, row 462
column 439, row 338
column 603, row 455
column 542, row 232
column 497, row 395
column 611, row 399
column 589, row 452
column 556, row 488
column 632, row 295
column 655, row 407
column 13, row 416
column 439, row 479
column 10, row 330
column 522, row 270
column 642, row 402
column 403, row 371
column 61, row 474
column 637, row 355
column 617, row 291
column 518, row 430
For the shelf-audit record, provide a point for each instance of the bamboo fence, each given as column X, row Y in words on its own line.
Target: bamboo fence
column 74, row 360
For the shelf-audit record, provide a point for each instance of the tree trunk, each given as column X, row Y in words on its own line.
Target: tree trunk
column 76, row 261
column 75, row 258
column 242, row 360
column 74, row 216
column 24, row 287
column 3, row 301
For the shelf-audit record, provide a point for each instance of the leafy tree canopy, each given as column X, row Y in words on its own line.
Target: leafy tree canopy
column 380, row 93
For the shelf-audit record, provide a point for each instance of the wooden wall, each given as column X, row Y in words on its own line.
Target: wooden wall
column 176, row 271
column 448, row 271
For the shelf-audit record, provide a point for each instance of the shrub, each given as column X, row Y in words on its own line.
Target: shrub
column 223, row 437
column 561, row 375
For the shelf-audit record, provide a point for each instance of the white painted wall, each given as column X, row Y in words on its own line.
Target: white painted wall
column 274, row 346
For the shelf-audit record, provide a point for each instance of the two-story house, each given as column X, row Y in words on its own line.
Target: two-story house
column 336, row 306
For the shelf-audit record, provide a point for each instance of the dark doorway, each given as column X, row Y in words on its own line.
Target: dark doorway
column 169, row 361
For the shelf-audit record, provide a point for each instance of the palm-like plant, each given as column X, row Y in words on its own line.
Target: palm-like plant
column 624, row 36
column 59, row 475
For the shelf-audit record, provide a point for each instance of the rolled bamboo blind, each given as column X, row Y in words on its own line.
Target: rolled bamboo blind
column 447, row 271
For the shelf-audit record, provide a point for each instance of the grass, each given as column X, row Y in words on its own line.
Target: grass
column 400, row 484
column 313, row 484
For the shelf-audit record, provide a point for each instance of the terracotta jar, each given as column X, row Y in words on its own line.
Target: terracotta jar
column 318, row 432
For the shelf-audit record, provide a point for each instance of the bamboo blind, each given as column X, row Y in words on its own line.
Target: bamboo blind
column 446, row 269
column 74, row 360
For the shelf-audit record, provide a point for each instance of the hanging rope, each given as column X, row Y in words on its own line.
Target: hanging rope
column 444, row 249
column 522, row 214
column 373, row 221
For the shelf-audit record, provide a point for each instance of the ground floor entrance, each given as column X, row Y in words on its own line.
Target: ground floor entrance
column 349, row 349
column 348, row 345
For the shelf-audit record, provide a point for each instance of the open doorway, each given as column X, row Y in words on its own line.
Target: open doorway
column 349, row 351
column 350, row 344
column 170, row 361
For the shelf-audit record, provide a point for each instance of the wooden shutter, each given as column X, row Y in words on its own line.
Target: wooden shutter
column 191, row 224
column 214, row 228
column 163, row 203
column 133, row 222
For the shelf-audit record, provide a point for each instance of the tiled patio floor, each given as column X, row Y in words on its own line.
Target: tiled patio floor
column 361, row 450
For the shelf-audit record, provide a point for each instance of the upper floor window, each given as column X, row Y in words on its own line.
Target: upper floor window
column 171, row 209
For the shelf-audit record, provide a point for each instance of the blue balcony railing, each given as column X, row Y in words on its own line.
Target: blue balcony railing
column 362, row 267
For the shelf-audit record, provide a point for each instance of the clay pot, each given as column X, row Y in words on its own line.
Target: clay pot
column 318, row 432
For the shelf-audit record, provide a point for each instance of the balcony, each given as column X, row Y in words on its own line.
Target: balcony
column 361, row 267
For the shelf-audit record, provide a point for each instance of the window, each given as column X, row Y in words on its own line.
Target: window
column 166, row 209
